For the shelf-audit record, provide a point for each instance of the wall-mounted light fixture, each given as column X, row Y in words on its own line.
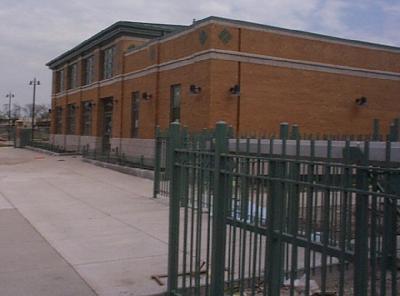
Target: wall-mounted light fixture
column 361, row 101
column 49, row 111
column 194, row 89
column 146, row 96
column 235, row 90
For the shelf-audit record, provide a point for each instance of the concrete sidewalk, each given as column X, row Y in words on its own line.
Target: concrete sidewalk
column 103, row 223
column 29, row 265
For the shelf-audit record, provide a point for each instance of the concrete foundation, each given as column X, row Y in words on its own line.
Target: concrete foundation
column 75, row 142
column 90, row 142
column 133, row 147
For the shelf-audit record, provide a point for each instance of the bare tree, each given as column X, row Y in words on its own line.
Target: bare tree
column 41, row 111
column 16, row 111
column 4, row 111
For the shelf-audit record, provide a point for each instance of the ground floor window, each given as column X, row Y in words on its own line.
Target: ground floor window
column 135, row 113
column 58, row 120
column 87, row 118
column 71, row 119
column 175, row 114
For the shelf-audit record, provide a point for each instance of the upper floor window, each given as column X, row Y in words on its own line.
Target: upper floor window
column 60, row 86
column 175, row 103
column 135, row 114
column 72, row 76
column 71, row 119
column 108, row 62
column 58, row 120
column 88, row 68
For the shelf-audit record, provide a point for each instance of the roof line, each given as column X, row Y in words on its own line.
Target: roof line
column 299, row 32
column 165, row 31
column 304, row 34
column 146, row 30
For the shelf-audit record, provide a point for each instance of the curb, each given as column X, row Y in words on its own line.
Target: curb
column 44, row 151
column 146, row 174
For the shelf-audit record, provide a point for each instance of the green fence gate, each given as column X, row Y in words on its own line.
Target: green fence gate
column 244, row 222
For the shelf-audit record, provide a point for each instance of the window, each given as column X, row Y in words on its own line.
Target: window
column 87, row 118
column 58, row 120
column 72, row 76
column 135, row 114
column 88, row 68
column 108, row 62
column 60, row 81
column 175, row 102
column 71, row 110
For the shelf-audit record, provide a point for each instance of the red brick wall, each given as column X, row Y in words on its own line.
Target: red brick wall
column 319, row 102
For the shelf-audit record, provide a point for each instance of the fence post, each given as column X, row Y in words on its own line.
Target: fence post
column 295, row 133
column 174, row 209
column 157, row 163
column 219, row 211
column 275, row 216
column 375, row 130
column 396, row 129
column 361, row 225
column 391, row 229
column 284, row 130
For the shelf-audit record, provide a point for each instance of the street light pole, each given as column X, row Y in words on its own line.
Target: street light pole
column 9, row 96
column 33, row 82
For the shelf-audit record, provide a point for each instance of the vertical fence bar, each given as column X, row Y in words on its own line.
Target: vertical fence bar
column 244, row 209
column 361, row 232
column 174, row 210
column 284, row 131
column 219, row 212
column 396, row 129
column 394, row 188
column 275, row 220
column 294, row 208
column 157, row 163
column 375, row 130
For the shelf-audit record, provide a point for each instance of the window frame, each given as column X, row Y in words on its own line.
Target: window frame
column 87, row 109
column 60, row 80
column 73, row 76
column 59, row 119
column 175, row 111
column 108, row 62
column 71, row 119
column 88, row 68
column 135, row 114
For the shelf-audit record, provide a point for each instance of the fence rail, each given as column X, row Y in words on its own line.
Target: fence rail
column 243, row 222
column 119, row 158
column 289, row 143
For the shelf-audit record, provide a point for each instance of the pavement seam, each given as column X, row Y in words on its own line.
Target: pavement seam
column 120, row 259
column 57, row 252
column 112, row 184
column 106, row 213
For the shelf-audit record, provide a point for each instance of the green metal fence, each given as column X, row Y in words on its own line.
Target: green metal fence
column 382, row 147
column 118, row 158
column 6, row 132
column 245, row 222
column 45, row 145
column 162, row 165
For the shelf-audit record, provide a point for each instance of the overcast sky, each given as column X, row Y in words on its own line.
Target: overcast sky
column 34, row 32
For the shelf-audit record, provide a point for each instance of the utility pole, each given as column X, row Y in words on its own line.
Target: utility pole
column 10, row 95
column 33, row 82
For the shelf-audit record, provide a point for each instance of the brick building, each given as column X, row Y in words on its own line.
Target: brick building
column 120, row 84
